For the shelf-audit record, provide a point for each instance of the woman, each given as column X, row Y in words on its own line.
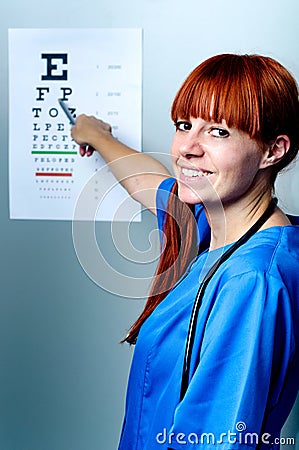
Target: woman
column 236, row 379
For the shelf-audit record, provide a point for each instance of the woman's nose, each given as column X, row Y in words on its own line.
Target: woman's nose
column 191, row 146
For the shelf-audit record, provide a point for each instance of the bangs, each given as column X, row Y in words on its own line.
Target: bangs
column 225, row 87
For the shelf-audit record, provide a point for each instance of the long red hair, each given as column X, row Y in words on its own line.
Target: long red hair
column 252, row 93
column 179, row 248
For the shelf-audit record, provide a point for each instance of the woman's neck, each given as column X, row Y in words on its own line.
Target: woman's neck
column 229, row 222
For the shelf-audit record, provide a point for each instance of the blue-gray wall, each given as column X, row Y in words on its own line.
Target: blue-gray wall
column 62, row 372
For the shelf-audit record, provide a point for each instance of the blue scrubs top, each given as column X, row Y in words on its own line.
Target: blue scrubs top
column 244, row 374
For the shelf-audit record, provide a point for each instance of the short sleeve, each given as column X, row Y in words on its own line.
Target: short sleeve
column 162, row 197
column 247, row 347
column 203, row 228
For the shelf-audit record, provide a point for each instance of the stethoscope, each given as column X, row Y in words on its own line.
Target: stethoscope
column 203, row 285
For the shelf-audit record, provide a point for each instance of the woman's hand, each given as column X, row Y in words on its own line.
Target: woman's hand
column 89, row 132
column 140, row 174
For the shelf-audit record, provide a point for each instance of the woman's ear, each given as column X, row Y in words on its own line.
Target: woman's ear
column 275, row 152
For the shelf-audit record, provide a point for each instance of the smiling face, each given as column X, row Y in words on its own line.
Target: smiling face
column 212, row 161
column 256, row 96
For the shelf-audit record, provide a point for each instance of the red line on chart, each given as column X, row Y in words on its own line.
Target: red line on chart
column 52, row 174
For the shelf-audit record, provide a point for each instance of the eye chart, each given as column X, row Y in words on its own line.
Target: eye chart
column 97, row 72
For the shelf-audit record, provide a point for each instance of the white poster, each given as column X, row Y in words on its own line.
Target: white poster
column 98, row 72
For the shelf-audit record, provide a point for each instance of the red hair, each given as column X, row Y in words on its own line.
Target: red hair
column 252, row 93
column 180, row 239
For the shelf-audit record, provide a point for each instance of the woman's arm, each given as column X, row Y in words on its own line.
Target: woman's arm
column 139, row 173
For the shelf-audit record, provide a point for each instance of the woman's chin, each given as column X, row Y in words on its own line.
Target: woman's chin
column 189, row 195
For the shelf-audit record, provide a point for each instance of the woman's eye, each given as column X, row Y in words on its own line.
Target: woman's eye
column 219, row 132
column 183, row 125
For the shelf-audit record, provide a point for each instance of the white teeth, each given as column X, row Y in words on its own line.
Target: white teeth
column 194, row 173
